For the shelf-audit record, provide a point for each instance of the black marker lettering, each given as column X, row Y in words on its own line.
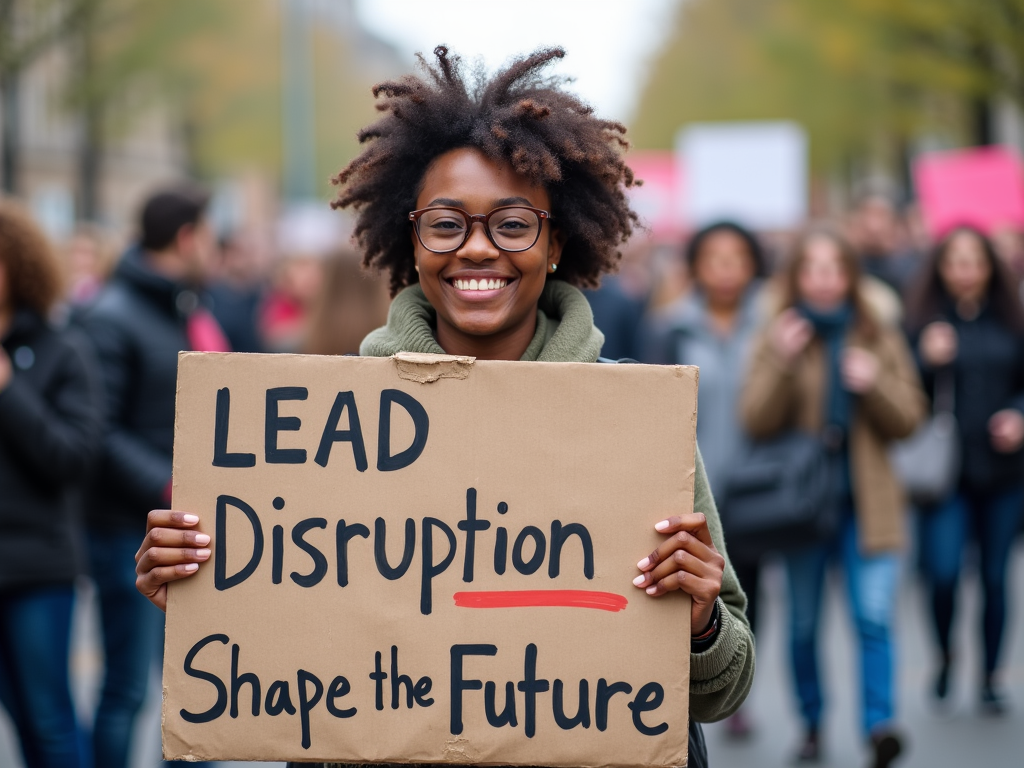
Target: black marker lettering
column 508, row 714
column 221, row 457
column 306, row 703
column 539, row 549
column 332, row 435
column 276, row 553
column 559, row 533
column 339, row 687
column 345, row 533
column 275, row 423
column 278, row 699
column 222, row 692
column 531, row 686
column 604, row 695
column 648, row 698
column 237, row 681
column 471, row 525
column 380, row 552
column 430, row 568
column 315, row 576
column 458, row 685
column 386, row 461
column 558, row 707
column 378, row 676
column 220, row 578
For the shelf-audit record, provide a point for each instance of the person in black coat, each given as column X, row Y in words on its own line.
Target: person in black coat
column 967, row 326
column 50, row 427
column 151, row 310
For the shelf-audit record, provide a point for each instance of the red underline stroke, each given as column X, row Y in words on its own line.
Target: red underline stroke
column 546, row 598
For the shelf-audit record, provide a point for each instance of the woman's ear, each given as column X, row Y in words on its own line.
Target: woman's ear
column 556, row 242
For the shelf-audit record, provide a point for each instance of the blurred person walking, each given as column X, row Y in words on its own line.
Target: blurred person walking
column 713, row 327
column 827, row 366
column 238, row 291
column 877, row 234
column 50, row 431
column 967, row 326
column 150, row 311
column 350, row 305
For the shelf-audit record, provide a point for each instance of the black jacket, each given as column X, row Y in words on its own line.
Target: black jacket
column 988, row 376
column 138, row 326
column 50, row 431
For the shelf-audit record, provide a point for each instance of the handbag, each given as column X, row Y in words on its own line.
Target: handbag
column 782, row 494
column 928, row 462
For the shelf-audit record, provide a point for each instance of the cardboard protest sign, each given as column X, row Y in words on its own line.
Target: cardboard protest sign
column 428, row 559
column 751, row 172
column 982, row 187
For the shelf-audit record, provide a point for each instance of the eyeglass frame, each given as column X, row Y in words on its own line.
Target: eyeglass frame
column 483, row 218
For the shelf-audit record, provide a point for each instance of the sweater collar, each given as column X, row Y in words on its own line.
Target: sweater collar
column 565, row 327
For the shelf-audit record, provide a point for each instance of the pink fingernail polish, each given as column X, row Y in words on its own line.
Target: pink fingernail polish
column 640, row 579
column 661, row 526
column 191, row 519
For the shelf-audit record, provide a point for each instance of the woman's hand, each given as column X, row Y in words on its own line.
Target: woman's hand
column 687, row 560
column 938, row 344
column 790, row 334
column 859, row 369
column 172, row 550
column 1006, row 430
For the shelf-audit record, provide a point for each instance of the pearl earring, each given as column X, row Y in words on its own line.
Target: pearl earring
column 552, row 268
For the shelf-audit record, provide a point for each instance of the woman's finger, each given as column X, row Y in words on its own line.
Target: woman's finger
column 684, row 560
column 153, row 583
column 170, row 518
column 171, row 538
column 694, row 522
column 156, row 557
column 681, row 581
column 691, row 541
column 705, row 564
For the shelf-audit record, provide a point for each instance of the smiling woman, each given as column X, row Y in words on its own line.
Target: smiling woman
column 489, row 203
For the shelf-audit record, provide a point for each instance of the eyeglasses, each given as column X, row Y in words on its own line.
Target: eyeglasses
column 511, row 228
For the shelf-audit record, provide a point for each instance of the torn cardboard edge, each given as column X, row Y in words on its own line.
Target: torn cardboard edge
column 426, row 367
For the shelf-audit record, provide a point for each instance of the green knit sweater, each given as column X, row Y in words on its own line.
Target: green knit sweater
column 721, row 676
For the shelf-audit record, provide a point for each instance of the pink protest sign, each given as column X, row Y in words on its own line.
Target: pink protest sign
column 659, row 200
column 982, row 187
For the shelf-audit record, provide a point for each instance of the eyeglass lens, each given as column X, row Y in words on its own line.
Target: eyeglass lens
column 511, row 229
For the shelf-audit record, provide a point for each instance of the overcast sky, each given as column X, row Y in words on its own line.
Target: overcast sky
column 608, row 42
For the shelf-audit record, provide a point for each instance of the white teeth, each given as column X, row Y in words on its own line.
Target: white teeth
column 479, row 285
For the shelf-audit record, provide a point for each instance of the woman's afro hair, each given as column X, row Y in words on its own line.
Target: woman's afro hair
column 519, row 116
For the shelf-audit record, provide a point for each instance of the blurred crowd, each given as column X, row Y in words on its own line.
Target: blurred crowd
column 860, row 330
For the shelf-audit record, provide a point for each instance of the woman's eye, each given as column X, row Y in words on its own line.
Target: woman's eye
column 447, row 224
column 513, row 224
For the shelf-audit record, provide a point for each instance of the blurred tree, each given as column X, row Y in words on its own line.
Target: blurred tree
column 863, row 76
column 216, row 65
column 28, row 29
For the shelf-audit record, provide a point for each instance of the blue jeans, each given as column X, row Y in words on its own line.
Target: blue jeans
column 994, row 520
column 35, row 637
column 871, row 585
column 131, row 637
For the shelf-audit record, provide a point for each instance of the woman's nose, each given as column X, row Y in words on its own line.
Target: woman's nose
column 478, row 247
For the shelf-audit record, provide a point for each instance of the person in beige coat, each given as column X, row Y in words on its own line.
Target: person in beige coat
column 827, row 361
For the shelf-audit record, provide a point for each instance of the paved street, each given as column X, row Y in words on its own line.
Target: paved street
column 955, row 739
